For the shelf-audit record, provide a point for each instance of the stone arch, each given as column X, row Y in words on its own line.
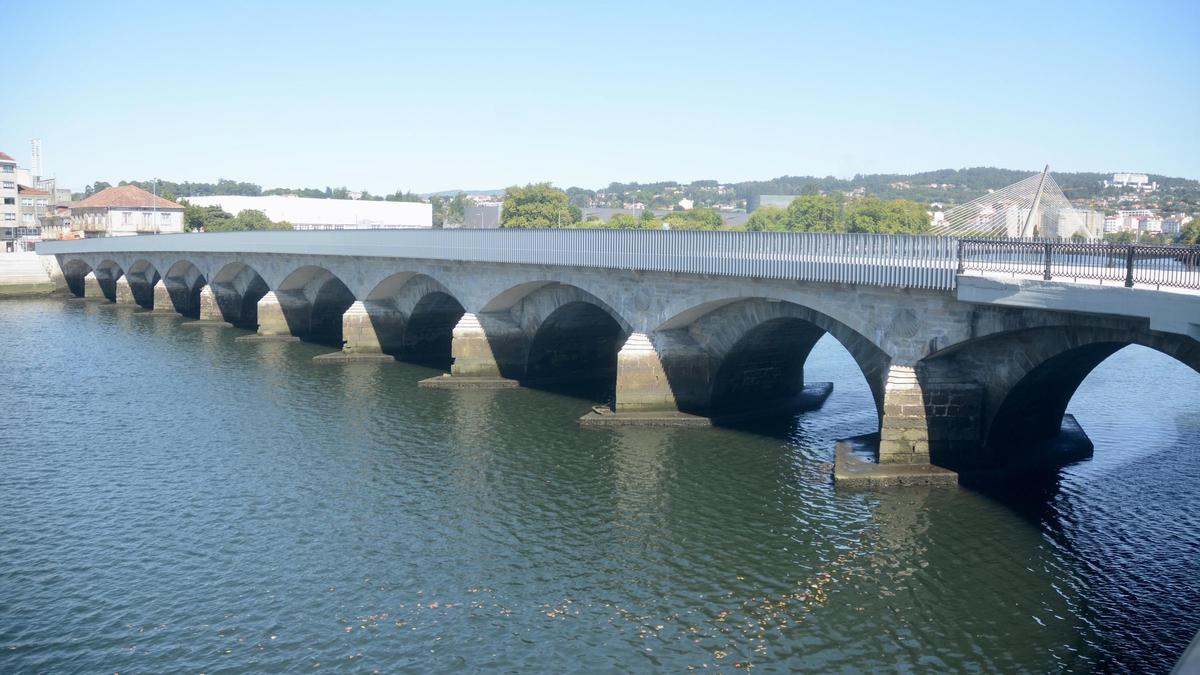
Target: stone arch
column 1030, row 375
column 142, row 277
column 237, row 288
column 108, row 272
column 75, row 270
column 313, row 300
column 184, row 282
column 750, row 353
column 412, row 317
column 547, row 334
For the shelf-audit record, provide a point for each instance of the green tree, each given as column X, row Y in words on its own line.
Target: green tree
column 876, row 216
column 768, row 218
column 695, row 219
column 537, row 205
column 402, row 196
column 813, row 213
column 1190, row 234
column 216, row 220
column 624, row 221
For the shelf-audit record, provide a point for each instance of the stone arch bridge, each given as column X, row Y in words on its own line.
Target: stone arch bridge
column 970, row 370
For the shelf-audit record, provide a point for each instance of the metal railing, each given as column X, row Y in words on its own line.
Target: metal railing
column 1126, row 264
column 877, row 260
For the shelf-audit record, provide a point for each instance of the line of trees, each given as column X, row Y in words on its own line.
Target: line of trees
column 216, row 219
column 825, row 213
column 541, row 205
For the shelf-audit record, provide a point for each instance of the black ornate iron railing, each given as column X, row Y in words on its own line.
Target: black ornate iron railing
column 1127, row 264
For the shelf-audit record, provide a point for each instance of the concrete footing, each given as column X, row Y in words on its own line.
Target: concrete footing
column 856, row 466
column 267, row 338
column 207, row 323
column 812, row 397
column 603, row 416
column 463, row 382
column 350, row 357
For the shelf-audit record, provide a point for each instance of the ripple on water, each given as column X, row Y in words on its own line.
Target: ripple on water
column 175, row 500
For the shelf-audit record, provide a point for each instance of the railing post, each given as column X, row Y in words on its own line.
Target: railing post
column 961, row 264
column 1046, row 272
column 1129, row 266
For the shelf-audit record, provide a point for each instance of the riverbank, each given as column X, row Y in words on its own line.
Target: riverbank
column 27, row 274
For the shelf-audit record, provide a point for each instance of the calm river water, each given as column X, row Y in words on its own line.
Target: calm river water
column 171, row 500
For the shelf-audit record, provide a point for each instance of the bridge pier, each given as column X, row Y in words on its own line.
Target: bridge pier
column 162, row 299
column 488, row 352
column 124, row 292
column 272, row 321
column 369, row 331
column 210, row 311
column 91, row 287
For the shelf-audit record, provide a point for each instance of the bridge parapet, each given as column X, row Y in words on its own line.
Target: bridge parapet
column 876, row 260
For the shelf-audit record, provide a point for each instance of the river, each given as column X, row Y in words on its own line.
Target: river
column 173, row 500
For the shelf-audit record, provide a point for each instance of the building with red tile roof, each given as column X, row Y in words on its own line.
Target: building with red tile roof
column 125, row 210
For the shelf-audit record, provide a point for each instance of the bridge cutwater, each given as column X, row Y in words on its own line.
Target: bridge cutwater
column 972, row 349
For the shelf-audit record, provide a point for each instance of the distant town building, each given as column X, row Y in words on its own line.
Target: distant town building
column 1138, row 181
column 778, row 201
column 8, row 203
column 686, row 204
column 482, row 216
column 125, row 210
column 306, row 213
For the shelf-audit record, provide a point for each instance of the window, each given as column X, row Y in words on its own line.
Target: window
column 166, row 219
column 27, row 217
column 26, row 201
column 146, row 218
column 10, row 216
column 9, row 185
column 10, row 200
column 8, row 168
column 42, row 202
column 126, row 218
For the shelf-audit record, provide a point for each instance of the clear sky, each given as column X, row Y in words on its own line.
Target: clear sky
column 435, row 96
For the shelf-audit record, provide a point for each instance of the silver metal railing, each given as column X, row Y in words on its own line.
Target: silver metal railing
column 864, row 259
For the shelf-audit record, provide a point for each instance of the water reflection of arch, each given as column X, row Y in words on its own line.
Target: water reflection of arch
column 746, row 353
column 237, row 288
column 313, row 300
column 184, row 282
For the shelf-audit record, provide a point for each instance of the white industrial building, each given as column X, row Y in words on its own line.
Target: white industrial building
column 306, row 213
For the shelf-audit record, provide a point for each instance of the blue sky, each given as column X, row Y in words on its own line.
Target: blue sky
column 435, row 96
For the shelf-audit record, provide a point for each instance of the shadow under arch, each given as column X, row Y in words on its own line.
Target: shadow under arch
column 1030, row 376
column 184, row 281
column 107, row 273
column 142, row 276
column 567, row 339
column 237, row 288
column 747, row 354
column 313, row 300
column 413, row 316
column 74, row 270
